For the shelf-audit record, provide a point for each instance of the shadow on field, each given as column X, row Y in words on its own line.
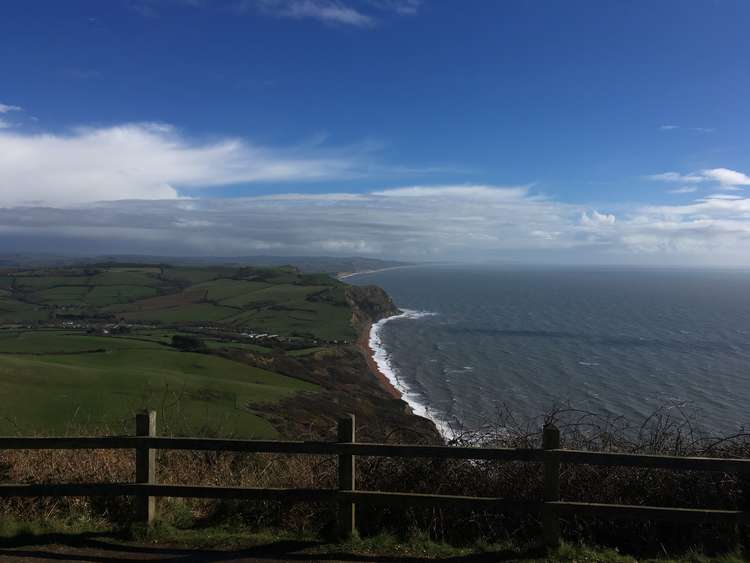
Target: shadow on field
column 103, row 548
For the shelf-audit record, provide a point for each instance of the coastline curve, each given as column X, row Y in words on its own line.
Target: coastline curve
column 383, row 362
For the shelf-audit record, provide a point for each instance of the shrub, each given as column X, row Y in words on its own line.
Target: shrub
column 188, row 343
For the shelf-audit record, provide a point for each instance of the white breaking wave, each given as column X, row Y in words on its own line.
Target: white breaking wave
column 383, row 361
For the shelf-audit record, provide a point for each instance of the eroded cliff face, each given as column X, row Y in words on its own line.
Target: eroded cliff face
column 349, row 384
column 369, row 304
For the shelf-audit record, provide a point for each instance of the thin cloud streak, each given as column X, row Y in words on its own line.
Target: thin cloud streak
column 695, row 129
column 724, row 177
column 326, row 11
column 683, row 190
column 675, row 177
column 334, row 12
column 5, row 108
column 344, row 13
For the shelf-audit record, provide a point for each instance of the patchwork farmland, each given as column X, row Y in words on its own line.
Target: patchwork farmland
column 84, row 347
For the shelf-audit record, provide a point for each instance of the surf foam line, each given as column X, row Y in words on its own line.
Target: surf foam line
column 385, row 365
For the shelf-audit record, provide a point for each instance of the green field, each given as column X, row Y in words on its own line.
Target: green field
column 189, row 313
column 86, row 347
column 8, row 304
column 101, row 296
column 225, row 289
column 34, row 281
column 271, row 300
column 52, row 382
column 62, row 342
column 219, row 345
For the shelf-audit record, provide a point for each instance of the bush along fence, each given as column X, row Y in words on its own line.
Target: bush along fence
column 551, row 508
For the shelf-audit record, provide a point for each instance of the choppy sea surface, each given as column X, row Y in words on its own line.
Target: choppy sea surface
column 617, row 341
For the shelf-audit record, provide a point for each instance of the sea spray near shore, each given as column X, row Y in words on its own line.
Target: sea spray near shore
column 383, row 361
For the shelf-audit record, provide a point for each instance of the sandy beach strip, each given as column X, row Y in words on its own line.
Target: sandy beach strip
column 364, row 345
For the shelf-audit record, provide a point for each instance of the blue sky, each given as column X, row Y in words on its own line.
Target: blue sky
column 568, row 131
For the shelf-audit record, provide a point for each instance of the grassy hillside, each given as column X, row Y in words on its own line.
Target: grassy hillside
column 88, row 346
column 52, row 382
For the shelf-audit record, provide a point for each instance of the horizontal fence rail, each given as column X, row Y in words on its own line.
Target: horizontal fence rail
column 726, row 465
column 268, row 446
column 146, row 487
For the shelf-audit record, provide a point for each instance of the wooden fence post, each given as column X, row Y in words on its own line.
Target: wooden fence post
column 742, row 530
column 145, row 467
column 550, row 519
column 346, row 518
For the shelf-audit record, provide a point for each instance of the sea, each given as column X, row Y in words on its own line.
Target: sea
column 476, row 341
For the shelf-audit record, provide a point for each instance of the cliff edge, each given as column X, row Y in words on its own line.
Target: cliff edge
column 369, row 304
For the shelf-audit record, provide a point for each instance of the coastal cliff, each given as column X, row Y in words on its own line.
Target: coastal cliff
column 351, row 383
column 369, row 304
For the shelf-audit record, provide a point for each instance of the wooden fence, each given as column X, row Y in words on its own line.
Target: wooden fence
column 146, row 487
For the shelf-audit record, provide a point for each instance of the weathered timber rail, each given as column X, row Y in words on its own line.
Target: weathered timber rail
column 146, row 488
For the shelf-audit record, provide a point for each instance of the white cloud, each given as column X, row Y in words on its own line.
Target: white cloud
column 675, row 177
column 405, row 7
column 596, row 219
column 4, row 108
column 332, row 197
column 364, row 13
column 730, row 188
column 684, row 190
column 696, row 129
column 50, row 185
column 461, row 191
column 722, row 196
column 713, row 230
column 727, row 177
column 411, row 222
column 154, row 161
column 327, row 11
